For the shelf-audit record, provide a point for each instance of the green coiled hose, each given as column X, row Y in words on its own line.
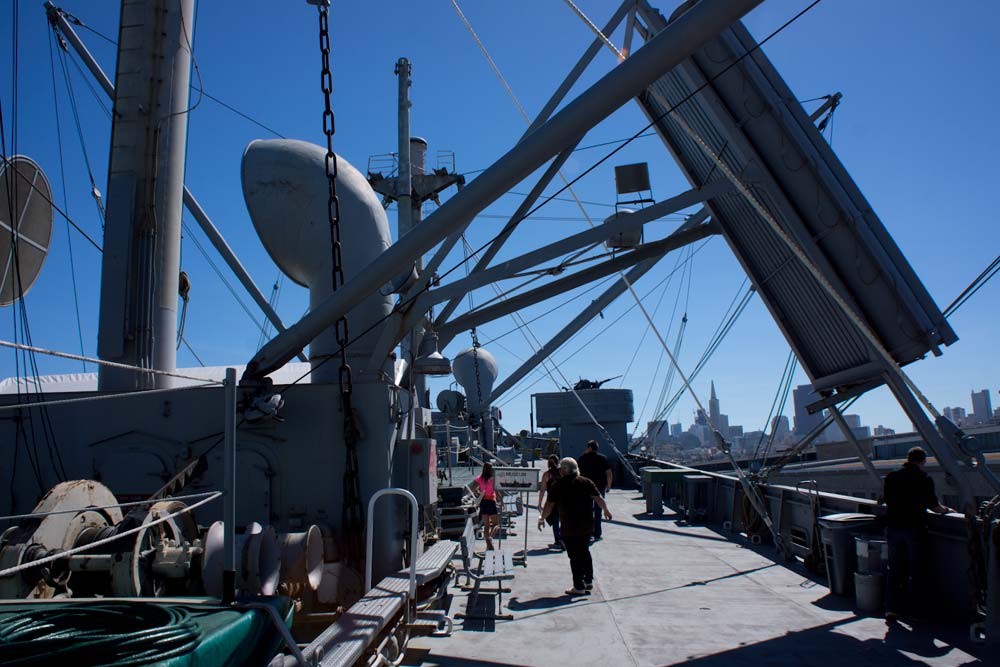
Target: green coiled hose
column 116, row 634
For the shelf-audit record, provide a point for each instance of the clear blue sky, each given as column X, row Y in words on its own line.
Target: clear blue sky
column 917, row 130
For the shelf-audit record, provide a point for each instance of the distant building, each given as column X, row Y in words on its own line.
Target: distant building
column 736, row 431
column 658, row 432
column 882, row 431
column 700, row 418
column 805, row 422
column 702, row 432
column 854, row 423
column 676, row 430
column 982, row 407
column 713, row 408
column 722, row 424
column 956, row 415
column 780, row 428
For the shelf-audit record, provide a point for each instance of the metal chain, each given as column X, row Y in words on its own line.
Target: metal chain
column 479, row 391
column 352, row 518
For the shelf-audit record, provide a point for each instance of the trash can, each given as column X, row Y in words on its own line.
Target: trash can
column 837, row 532
column 869, row 592
column 696, row 497
column 647, row 483
column 872, row 554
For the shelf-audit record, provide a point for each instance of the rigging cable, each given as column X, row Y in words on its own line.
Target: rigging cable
column 602, row 331
column 59, row 210
column 222, row 277
column 607, row 327
column 977, row 283
column 777, row 404
column 95, row 193
column 427, row 286
column 31, row 450
column 645, row 331
column 756, row 500
column 729, row 318
column 518, row 320
column 272, row 302
column 198, row 88
column 670, row 326
column 62, row 176
column 19, row 312
column 551, row 310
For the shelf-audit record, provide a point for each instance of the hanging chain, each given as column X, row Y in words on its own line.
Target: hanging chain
column 352, row 518
column 479, row 391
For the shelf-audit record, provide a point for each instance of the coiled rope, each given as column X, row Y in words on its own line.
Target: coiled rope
column 111, row 635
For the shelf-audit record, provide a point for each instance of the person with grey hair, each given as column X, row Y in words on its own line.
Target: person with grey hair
column 574, row 497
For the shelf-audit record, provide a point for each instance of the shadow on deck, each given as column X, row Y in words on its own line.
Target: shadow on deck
column 669, row 592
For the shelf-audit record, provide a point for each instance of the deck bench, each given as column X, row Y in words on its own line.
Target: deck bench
column 360, row 626
column 495, row 566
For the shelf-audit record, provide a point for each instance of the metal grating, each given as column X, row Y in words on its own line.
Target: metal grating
column 749, row 117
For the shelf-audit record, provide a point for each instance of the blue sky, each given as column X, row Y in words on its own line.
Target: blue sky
column 916, row 130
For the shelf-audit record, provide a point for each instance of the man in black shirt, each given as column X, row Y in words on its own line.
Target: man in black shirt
column 595, row 467
column 909, row 493
column 574, row 495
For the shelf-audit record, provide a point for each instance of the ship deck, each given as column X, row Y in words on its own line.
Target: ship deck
column 666, row 592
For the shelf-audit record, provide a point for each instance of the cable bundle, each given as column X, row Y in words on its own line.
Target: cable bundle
column 106, row 635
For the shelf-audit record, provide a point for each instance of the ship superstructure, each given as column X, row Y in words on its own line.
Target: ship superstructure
column 308, row 471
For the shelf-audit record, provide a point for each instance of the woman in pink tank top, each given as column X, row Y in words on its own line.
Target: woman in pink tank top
column 485, row 486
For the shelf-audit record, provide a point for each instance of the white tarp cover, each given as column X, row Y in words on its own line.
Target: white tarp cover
column 87, row 382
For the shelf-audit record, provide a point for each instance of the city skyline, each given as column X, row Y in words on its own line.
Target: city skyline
column 786, row 431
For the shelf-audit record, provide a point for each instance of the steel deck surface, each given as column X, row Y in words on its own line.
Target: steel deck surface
column 667, row 592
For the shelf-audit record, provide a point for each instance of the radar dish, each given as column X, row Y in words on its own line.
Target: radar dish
column 25, row 198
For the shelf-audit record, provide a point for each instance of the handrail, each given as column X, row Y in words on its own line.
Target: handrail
column 415, row 520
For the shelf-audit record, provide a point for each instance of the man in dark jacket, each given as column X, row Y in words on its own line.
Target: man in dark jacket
column 574, row 495
column 595, row 467
column 909, row 493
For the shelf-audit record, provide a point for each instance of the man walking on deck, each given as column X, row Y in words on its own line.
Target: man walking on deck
column 909, row 493
column 574, row 495
column 595, row 467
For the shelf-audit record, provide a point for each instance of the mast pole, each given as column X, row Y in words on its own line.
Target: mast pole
column 141, row 262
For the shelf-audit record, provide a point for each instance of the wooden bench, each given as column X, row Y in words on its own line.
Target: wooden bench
column 495, row 566
column 345, row 642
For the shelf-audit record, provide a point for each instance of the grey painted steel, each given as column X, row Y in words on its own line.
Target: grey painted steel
column 66, row 29
column 591, row 311
column 650, row 250
column 404, row 215
column 700, row 23
column 404, row 183
column 142, row 233
column 510, row 226
column 862, row 455
column 414, row 525
column 190, row 202
column 598, row 233
column 748, row 114
column 229, row 483
column 285, row 188
column 577, row 323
